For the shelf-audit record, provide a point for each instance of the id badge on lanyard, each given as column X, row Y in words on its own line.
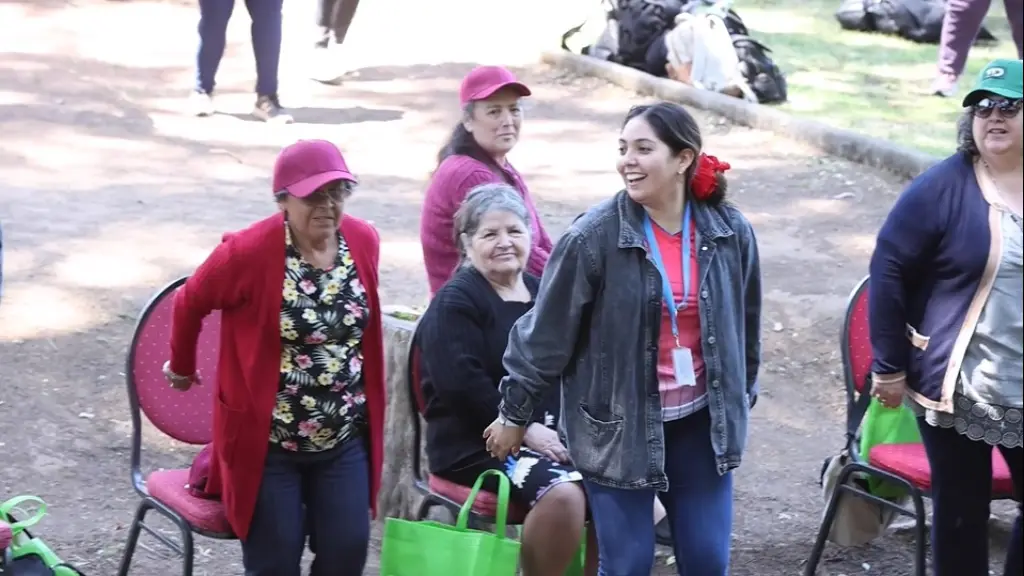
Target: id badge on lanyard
column 682, row 357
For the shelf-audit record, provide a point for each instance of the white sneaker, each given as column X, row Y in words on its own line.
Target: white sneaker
column 201, row 104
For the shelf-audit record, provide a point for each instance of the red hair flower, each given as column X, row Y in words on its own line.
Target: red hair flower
column 705, row 179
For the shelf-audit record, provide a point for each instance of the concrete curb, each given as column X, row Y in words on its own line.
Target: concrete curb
column 846, row 144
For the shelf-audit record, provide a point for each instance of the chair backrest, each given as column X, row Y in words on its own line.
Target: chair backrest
column 856, row 350
column 416, row 405
column 184, row 416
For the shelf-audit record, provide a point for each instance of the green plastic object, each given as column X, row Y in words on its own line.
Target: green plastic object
column 26, row 545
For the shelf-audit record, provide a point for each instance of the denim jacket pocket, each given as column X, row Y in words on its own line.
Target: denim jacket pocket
column 597, row 443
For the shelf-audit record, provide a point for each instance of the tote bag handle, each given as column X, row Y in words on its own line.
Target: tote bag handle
column 503, row 496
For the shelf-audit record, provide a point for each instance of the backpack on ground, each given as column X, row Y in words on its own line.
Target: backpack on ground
column 915, row 20
column 701, row 44
column 756, row 64
column 762, row 74
column 641, row 24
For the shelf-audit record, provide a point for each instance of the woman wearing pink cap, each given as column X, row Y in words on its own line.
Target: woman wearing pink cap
column 475, row 154
column 299, row 415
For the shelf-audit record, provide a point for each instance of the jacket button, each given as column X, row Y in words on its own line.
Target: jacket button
column 711, row 339
column 704, row 294
column 715, row 383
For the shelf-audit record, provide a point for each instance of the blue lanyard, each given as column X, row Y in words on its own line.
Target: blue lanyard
column 666, row 285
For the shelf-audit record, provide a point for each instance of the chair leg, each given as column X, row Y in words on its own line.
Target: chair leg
column 133, row 537
column 826, row 526
column 187, row 547
column 921, row 535
column 424, row 508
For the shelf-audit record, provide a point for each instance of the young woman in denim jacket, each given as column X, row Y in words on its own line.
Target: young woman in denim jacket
column 648, row 316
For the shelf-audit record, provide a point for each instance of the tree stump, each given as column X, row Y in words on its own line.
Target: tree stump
column 398, row 497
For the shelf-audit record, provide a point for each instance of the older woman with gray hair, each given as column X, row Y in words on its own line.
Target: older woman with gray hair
column 461, row 340
column 947, row 324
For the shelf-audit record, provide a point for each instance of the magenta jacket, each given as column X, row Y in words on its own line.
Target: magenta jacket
column 452, row 181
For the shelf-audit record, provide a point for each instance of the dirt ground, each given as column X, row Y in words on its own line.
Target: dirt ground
column 109, row 191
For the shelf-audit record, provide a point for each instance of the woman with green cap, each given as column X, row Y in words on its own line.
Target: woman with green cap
column 947, row 327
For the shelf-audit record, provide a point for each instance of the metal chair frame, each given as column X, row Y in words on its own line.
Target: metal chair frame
column 857, row 400
column 186, row 549
column 430, row 498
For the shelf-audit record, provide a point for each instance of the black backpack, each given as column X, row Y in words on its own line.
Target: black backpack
column 916, row 20
column 641, row 22
column 760, row 71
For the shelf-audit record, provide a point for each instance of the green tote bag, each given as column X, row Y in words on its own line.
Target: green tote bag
column 881, row 426
column 435, row 549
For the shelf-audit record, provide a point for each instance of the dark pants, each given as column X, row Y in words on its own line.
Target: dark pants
column 961, row 26
column 266, row 42
column 698, row 503
column 334, row 18
column 328, row 498
column 961, row 493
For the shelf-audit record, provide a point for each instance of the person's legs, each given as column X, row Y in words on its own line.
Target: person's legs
column 214, row 16
column 338, row 504
column 341, row 18
column 1015, row 555
column 553, row 530
column 624, row 523
column 1015, row 14
column 699, row 499
column 277, row 533
column 554, row 525
column 961, row 492
column 266, row 43
column 335, row 17
column 324, row 13
column 960, row 27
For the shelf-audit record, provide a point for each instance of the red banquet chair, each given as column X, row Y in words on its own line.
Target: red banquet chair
column 902, row 464
column 438, row 491
column 184, row 416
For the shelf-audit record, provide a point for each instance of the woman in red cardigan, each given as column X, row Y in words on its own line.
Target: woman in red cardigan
column 298, row 421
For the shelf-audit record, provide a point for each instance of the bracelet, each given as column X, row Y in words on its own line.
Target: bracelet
column 176, row 377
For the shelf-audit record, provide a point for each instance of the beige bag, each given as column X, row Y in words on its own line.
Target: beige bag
column 857, row 520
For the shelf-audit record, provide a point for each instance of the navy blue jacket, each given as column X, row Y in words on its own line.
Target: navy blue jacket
column 931, row 272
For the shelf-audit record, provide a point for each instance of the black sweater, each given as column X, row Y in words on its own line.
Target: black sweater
column 461, row 338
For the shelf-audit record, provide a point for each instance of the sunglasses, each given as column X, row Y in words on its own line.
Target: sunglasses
column 1007, row 108
column 335, row 192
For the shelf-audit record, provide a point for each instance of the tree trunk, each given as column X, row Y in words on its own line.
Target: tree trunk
column 398, row 497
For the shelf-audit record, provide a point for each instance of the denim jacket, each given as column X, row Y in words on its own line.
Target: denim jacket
column 594, row 329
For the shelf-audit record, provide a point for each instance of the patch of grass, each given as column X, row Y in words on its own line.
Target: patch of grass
column 873, row 84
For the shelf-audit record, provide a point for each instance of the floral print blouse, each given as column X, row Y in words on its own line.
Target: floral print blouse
column 320, row 403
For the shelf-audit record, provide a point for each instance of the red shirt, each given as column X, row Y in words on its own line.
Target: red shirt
column 677, row 400
column 242, row 278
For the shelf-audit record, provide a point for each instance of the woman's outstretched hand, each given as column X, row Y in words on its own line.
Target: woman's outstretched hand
column 504, row 438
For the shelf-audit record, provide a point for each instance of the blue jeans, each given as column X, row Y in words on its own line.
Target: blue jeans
column 961, row 497
column 266, row 42
column 698, row 503
column 326, row 496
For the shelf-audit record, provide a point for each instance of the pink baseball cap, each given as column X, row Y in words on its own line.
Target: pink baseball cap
column 303, row 167
column 483, row 81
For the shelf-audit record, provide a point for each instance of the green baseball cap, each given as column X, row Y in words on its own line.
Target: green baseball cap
column 1002, row 77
